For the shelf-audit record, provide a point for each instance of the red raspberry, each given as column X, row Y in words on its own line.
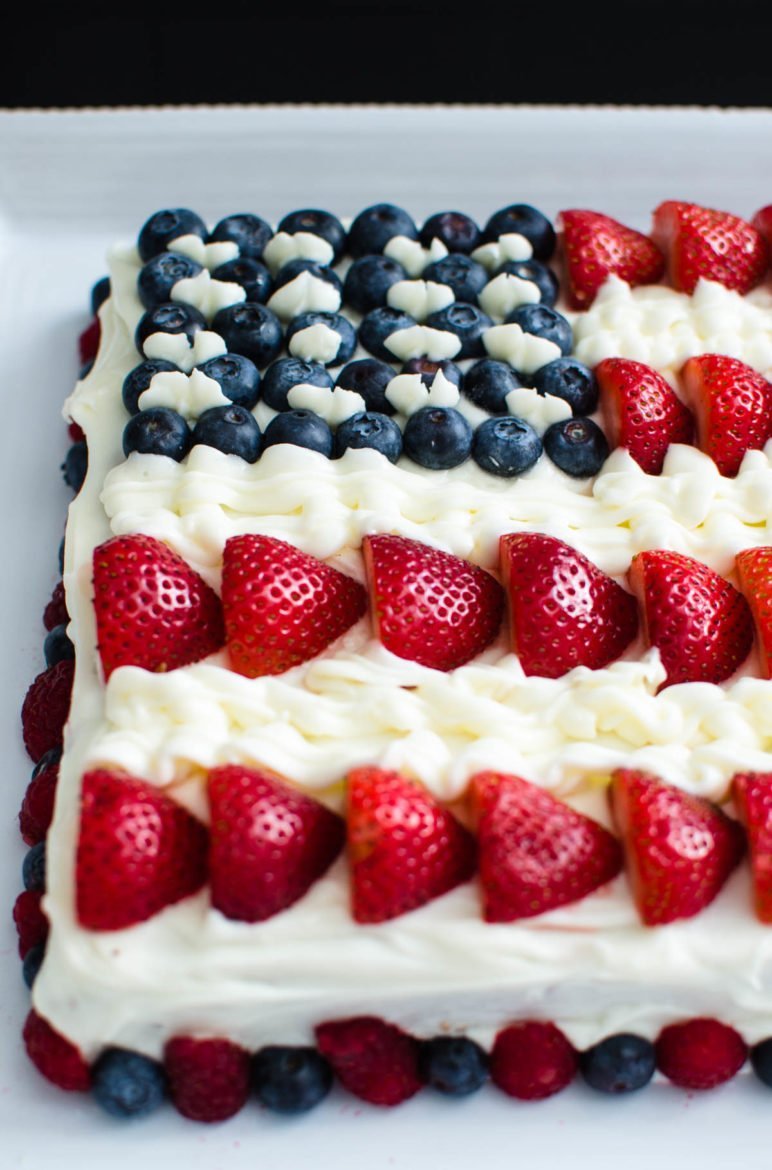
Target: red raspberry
column 75, row 432
column 46, row 707
column 208, row 1079
column 37, row 808
column 31, row 922
column 372, row 1059
column 700, row 1053
column 55, row 613
column 532, row 1060
column 55, row 1057
column 88, row 341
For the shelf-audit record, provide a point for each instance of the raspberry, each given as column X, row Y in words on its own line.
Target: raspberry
column 46, row 707
column 55, row 613
column 31, row 922
column 532, row 1060
column 37, row 808
column 55, row 1057
column 372, row 1059
column 700, row 1053
column 208, row 1079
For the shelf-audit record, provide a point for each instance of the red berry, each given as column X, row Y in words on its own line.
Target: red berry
column 208, row 1078
column 733, row 407
column 37, row 809
column 46, row 707
column 700, row 1053
column 641, row 412
column 372, row 1059
column 54, row 1056
column 31, row 922
column 700, row 242
column 596, row 247
column 55, row 613
column 75, row 432
column 752, row 793
column 762, row 221
column 754, row 568
column 88, row 342
column 532, row 1060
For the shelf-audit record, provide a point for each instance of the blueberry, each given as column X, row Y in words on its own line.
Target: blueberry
column 285, row 373
column 75, row 465
column 165, row 226
column 57, row 646
column 251, row 330
column 368, row 281
column 526, row 221
column 99, row 294
column 544, row 322
column 293, row 268
column 158, row 277
column 33, row 870
column 127, row 1084
column 231, row 429
column 465, row 277
column 335, row 321
column 577, row 446
column 378, row 325
column 33, row 961
column 49, row 760
column 250, row 232
column 61, row 556
column 318, row 223
column 453, row 1065
column 570, row 380
column 370, row 429
column 375, row 226
column 761, row 1061
column 85, row 369
column 437, row 437
column 169, row 318
column 157, row 432
column 368, row 377
column 237, row 377
column 619, row 1064
column 138, row 380
column 301, row 428
column 457, row 231
column 291, row 1080
column 467, row 322
column 505, row 446
column 487, row 384
column 428, row 370
column 253, row 277
column 539, row 274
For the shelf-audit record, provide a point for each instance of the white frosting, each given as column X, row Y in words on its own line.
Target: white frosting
column 333, row 404
column 189, row 394
column 315, row 343
column 210, row 255
column 419, row 298
column 178, row 348
column 422, row 341
column 412, row 255
column 207, row 295
column 305, row 294
column 540, row 410
column 526, row 352
column 286, row 246
column 510, row 246
column 505, row 292
column 408, row 393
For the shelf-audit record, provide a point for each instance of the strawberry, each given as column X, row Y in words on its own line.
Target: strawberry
column 532, row 1060
column 372, row 1059
column 680, row 848
column 404, row 848
column 208, row 1078
column 138, row 851
column 30, row 921
column 536, row 853
column 282, row 606
column 37, row 808
column 88, row 341
column 700, row 242
column 752, row 792
column 54, row 1056
column 269, row 842
column 46, row 707
column 733, row 407
column 595, row 246
column 429, row 606
column 641, row 412
column 754, row 568
column 564, row 612
column 700, row 1053
column 762, row 221
column 700, row 624
column 55, row 613
column 152, row 609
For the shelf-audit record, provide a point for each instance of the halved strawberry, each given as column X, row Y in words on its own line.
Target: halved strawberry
column 536, row 853
column 641, row 412
column 700, row 242
column 754, row 568
column 596, row 246
column 282, row 606
column 375, row 1061
column 680, row 849
column 404, row 848
column 270, row 842
column 762, row 221
column 733, row 406
column 429, row 606
column 152, row 609
column 752, row 792
column 700, row 624
column 564, row 612
column 138, row 851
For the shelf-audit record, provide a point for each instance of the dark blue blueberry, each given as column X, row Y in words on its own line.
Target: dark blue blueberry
column 464, row 276
column 33, row 961
column 577, row 446
column 467, row 322
column 335, row 321
column 285, row 373
column 619, row 1064
column 159, row 431
column 237, row 377
column 158, row 277
column 375, row 226
column 251, row 330
column 761, row 1061
column 368, row 281
column 138, row 380
column 301, row 428
column 539, row 274
column 368, row 377
column 293, row 268
column 57, row 646
column 49, row 760
column 380, row 324
column 428, row 369
column 231, row 429
column 544, row 322
column 249, row 231
column 61, row 556
column 570, row 380
column 75, row 465
column 437, row 437
column 85, row 369
column 127, row 1084
column 487, row 384
column 458, row 232
column 370, row 429
column 318, row 223
column 291, row 1080
column 253, row 277
column 33, row 870
column 526, row 221
column 453, row 1065
column 506, row 446
column 169, row 318
column 99, row 294
column 165, row 226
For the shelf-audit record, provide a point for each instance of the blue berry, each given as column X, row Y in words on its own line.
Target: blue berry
column 293, row 268
column 169, row 318
column 301, row 428
column 138, row 380
column 453, row 1065
column 428, row 369
column 57, row 646
column 285, row 373
column 61, row 556
column 158, row 277
column 375, row 226
column 378, row 325
column 51, row 757
column 368, row 281
column 464, row 276
column 33, row 870
column 761, row 1061
column 253, row 277
column 75, row 465
column 159, row 431
column 577, row 446
column 335, row 321
column 231, row 429
column 251, row 330
column 237, row 377
column 467, row 322
column 99, row 294
column 458, row 232
column 506, row 446
column 437, row 437
column 85, row 369
column 526, row 221
column 570, row 380
column 127, row 1084
column 318, row 223
column 32, row 962
column 619, row 1064
column 249, row 231
column 368, row 377
column 291, row 1080
column 370, row 429
column 539, row 274
column 544, row 322
column 487, row 384
column 166, row 226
